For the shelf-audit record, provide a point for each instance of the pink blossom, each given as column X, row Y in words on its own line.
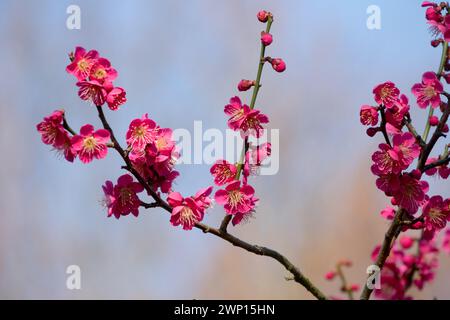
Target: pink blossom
column 428, row 92
column 237, row 200
column 52, row 130
column 389, row 183
column 189, row 211
column 369, row 115
column 388, row 213
column 236, row 112
column 115, row 98
column 434, row 213
column 102, row 71
column 385, row 161
column 82, row 63
column 396, row 114
column 223, row 172
column 407, row 147
column 446, row 241
column 443, row 170
column 122, row 199
column 330, row 275
column 90, row 144
column 140, row 133
column 406, row 242
column 92, row 91
column 245, row 119
column 278, row 64
column 253, row 121
column 244, row 85
column 386, row 94
column 266, row 38
column 411, row 193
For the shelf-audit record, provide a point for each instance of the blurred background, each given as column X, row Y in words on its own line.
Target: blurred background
column 180, row 61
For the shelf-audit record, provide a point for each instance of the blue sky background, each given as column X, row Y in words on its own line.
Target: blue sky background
column 180, row 61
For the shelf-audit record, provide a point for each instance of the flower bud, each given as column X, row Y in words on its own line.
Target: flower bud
column 263, row 16
column 372, row 131
column 445, row 128
column 330, row 275
column 416, row 174
column 406, row 242
column 244, row 85
column 435, row 43
column 434, row 121
column 266, row 38
column 278, row 65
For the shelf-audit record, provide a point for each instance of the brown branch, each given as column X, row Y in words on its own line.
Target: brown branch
column 345, row 288
column 262, row 251
column 438, row 163
column 412, row 129
column 383, row 126
column 389, row 239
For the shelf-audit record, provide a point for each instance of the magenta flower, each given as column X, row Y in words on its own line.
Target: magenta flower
column 388, row 213
column 92, row 91
column 411, row 193
column 388, row 183
column 443, row 170
column 140, row 133
column 122, row 199
column 90, row 144
column 82, row 63
column 115, row 98
column 102, row 71
column 253, row 121
column 368, row 115
column 236, row 199
column 435, row 214
column 386, row 94
column 223, row 172
column 428, row 92
column 386, row 161
column 396, row 114
column 407, row 147
column 189, row 211
column 52, row 130
column 236, row 111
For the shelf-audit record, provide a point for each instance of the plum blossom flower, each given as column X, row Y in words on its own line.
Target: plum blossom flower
column 82, row 63
column 428, row 92
column 189, row 211
column 223, row 172
column 102, row 71
column 388, row 213
column 407, row 147
column 245, row 119
column 92, row 91
column 368, row 115
column 122, row 199
column 115, row 98
column 90, row 144
column 51, row 129
column 435, row 214
column 386, row 94
column 396, row 114
column 386, row 160
column 141, row 132
column 263, row 16
column 442, row 170
column 237, row 200
column 411, row 193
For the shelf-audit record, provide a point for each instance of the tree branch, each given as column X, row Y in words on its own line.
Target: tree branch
column 159, row 202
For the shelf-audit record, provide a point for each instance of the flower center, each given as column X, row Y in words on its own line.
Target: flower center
column 125, row 196
column 385, row 92
column 436, row 215
column 100, row 73
column 83, row 65
column 139, row 131
column 161, row 143
column 89, row 144
column 187, row 216
column 235, row 197
column 429, row 92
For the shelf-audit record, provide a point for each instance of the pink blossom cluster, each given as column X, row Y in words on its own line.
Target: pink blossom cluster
column 338, row 273
column 413, row 260
column 238, row 196
column 95, row 77
column 407, row 267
